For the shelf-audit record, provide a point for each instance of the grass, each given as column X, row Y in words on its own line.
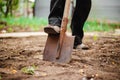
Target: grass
column 96, row 25
column 33, row 23
column 37, row 24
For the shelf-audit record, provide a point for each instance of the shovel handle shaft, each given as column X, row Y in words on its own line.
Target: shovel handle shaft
column 65, row 15
column 63, row 26
column 67, row 8
column 64, row 21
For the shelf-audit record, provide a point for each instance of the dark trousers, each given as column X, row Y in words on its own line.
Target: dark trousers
column 80, row 15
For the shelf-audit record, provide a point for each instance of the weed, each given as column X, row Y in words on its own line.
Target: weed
column 0, row 77
column 29, row 70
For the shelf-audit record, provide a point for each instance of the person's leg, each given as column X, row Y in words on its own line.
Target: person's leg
column 55, row 16
column 56, row 12
column 80, row 15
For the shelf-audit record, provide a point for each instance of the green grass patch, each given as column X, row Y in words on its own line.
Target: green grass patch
column 37, row 24
column 23, row 22
column 96, row 25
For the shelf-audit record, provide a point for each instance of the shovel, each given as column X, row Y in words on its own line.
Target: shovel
column 58, row 48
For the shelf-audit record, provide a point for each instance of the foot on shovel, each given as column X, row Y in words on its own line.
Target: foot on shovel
column 52, row 29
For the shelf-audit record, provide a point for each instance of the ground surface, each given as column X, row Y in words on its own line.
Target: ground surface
column 101, row 61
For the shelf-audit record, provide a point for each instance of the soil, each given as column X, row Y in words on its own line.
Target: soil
column 100, row 62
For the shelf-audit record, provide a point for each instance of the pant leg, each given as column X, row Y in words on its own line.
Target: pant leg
column 56, row 12
column 80, row 15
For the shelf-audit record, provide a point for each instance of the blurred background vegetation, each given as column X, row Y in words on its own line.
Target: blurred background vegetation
column 31, row 15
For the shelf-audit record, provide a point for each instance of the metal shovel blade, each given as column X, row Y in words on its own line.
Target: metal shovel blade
column 50, row 51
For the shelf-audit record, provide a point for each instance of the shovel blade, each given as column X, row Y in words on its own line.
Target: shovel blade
column 66, row 50
column 51, row 47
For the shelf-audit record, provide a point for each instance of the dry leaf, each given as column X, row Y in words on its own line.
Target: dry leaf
column 14, row 71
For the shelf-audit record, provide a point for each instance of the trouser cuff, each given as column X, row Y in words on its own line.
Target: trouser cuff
column 55, row 22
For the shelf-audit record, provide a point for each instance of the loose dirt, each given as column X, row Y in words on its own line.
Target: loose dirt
column 100, row 62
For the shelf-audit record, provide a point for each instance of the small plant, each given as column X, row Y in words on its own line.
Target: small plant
column 0, row 77
column 1, row 27
column 28, row 70
column 10, row 29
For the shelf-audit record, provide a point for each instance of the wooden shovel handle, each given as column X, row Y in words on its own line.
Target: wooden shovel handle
column 64, row 21
column 63, row 26
column 65, row 16
column 67, row 8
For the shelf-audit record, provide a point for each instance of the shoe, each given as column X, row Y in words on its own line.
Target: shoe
column 81, row 46
column 52, row 29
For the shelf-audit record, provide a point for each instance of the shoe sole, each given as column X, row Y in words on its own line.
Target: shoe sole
column 50, row 31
